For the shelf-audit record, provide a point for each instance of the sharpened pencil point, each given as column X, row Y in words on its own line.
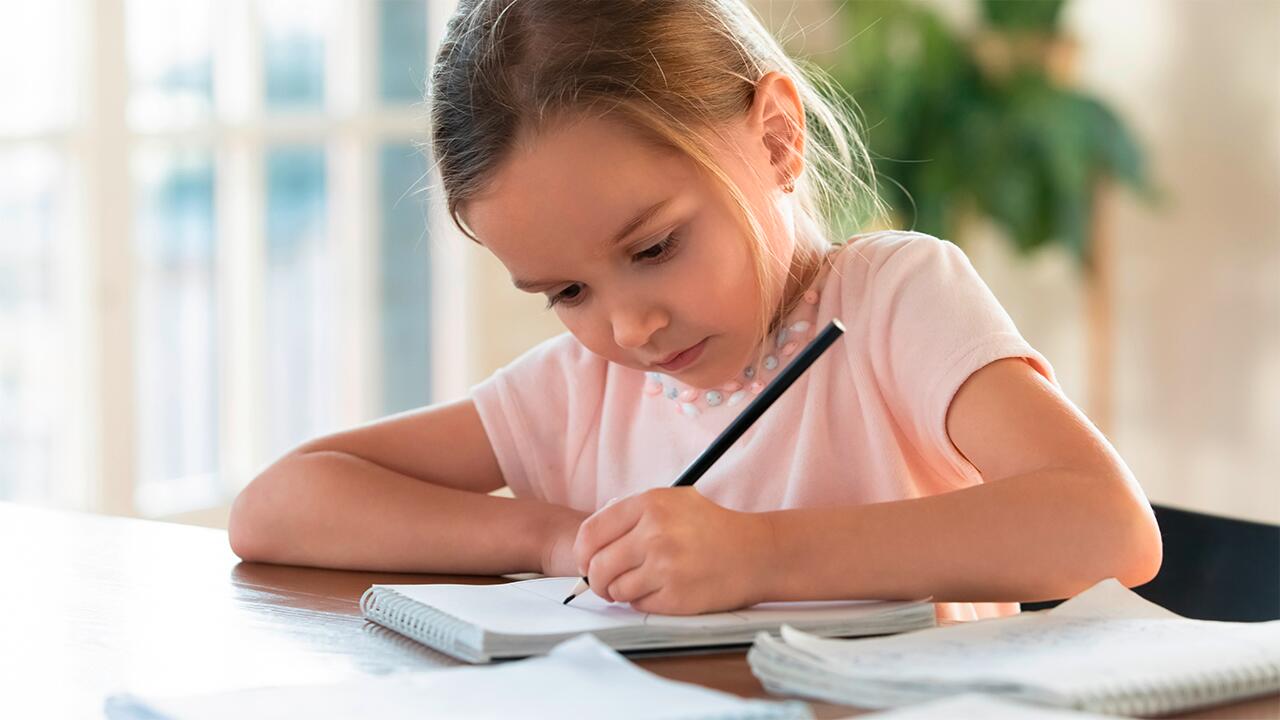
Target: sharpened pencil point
column 566, row 600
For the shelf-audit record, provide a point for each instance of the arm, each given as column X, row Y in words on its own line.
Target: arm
column 406, row 494
column 1058, row 511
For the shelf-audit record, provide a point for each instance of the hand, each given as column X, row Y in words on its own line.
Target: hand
column 557, row 545
column 673, row 551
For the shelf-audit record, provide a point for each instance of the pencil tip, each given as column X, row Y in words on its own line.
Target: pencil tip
column 566, row 600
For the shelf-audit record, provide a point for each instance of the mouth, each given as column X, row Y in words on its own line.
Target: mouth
column 684, row 358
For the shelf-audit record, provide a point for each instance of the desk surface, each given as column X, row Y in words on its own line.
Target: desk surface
column 97, row 605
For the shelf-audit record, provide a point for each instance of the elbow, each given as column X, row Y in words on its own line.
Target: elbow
column 256, row 512
column 1146, row 553
column 1141, row 550
column 243, row 526
column 240, row 528
column 1122, row 536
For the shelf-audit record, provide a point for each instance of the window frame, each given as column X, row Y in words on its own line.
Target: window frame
column 99, row 277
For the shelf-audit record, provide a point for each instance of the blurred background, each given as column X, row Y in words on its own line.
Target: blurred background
column 218, row 237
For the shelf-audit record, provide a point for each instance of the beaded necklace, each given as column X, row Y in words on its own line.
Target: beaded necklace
column 799, row 328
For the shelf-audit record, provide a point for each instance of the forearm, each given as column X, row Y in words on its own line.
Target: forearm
column 1043, row 535
column 337, row 510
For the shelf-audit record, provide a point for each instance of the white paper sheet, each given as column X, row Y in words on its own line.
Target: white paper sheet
column 580, row 678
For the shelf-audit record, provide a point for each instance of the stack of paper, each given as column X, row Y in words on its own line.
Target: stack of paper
column 581, row 678
column 976, row 706
column 1106, row 650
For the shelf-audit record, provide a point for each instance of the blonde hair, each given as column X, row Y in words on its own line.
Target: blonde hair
column 671, row 69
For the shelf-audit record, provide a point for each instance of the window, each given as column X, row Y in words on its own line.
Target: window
column 214, row 240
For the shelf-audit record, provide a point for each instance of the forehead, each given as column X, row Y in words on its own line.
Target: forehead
column 572, row 187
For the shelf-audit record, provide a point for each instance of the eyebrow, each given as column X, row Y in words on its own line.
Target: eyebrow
column 632, row 225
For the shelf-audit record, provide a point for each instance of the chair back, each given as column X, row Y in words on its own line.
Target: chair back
column 1216, row 568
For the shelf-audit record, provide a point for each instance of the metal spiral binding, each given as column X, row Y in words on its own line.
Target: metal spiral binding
column 420, row 622
column 1171, row 694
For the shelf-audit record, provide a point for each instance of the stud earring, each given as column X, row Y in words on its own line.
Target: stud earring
column 789, row 185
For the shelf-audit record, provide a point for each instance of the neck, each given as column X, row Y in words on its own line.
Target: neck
column 806, row 263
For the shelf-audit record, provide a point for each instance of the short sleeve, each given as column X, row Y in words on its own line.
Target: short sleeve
column 538, row 412
column 934, row 322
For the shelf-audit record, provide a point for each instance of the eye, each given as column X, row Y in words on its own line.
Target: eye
column 660, row 251
column 569, row 296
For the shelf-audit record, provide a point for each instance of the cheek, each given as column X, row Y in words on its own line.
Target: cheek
column 594, row 334
column 728, row 286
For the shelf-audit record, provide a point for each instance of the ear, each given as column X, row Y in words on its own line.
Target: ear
column 777, row 114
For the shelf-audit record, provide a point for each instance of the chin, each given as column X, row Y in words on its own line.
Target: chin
column 705, row 378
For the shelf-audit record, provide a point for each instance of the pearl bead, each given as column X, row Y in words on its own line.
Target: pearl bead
column 652, row 388
column 731, row 386
column 689, row 395
column 689, row 409
column 714, row 397
column 789, row 348
column 800, row 326
column 756, row 387
column 737, row 397
column 811, row 297
column 770, row 362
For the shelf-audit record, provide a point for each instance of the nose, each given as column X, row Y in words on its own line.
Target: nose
column 634, row 325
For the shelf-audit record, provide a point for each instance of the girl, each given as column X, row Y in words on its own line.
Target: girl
column 661, row 171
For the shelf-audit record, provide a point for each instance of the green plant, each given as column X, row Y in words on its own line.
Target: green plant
column 982, row 123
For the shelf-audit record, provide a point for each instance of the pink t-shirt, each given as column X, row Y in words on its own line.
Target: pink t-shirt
column 866, row 423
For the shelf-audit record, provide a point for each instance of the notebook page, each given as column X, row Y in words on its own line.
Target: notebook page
column 533, row 607
column 1110, row 599
column 586, row 679
column 536, row 607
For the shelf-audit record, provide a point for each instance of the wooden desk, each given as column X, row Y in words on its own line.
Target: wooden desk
column 97, row 605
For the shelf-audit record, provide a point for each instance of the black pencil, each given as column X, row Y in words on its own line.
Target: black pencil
column 749, row 415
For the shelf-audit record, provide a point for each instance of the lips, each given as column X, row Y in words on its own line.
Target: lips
column 683, row 358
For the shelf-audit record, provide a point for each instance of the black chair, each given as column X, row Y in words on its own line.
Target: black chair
column 1215, row 568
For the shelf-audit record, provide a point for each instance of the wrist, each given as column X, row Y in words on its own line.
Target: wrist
column 767, row 563
column 556, row 538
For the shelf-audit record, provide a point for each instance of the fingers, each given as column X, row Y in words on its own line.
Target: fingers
column 612, row 561
column 633, row 584
column 606, row 525
column 652, row 602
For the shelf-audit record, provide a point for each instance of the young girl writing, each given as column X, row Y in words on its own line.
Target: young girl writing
column 661, row 171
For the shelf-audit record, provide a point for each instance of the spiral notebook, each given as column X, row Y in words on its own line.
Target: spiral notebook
column 479, row 623
column 1106, row 650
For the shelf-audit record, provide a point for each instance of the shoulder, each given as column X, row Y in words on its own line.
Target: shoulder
column 561, row 352
column 889, row 248
column 558, row 367
column 885, row 261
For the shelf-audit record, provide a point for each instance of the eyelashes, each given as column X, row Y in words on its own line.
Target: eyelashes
column 655, row 254
column 561, row 298
column 664, row 247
